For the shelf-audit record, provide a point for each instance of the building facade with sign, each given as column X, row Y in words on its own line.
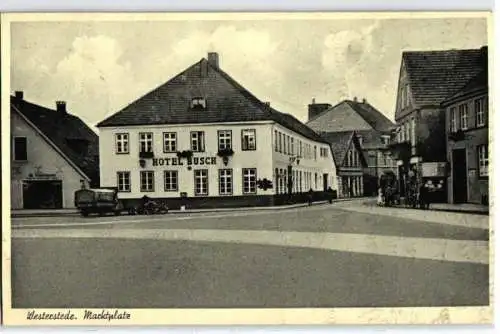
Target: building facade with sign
column 426, row 80
column 467, row 142
column 53, row 154
column 202, row 140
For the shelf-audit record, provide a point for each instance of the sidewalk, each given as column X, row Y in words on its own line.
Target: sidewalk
column 74, row 212
column 477, row 209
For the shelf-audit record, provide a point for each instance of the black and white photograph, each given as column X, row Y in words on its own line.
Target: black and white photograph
column 336, row 163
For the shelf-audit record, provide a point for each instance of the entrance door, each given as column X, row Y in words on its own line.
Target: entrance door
column 459, row 176
column 42, row 194
column 325, row 182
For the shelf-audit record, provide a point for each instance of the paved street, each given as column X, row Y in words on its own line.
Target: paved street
column 340, row 255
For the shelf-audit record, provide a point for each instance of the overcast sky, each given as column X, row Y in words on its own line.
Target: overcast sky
column 99, row 67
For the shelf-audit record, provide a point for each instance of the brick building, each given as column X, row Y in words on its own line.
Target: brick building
column 372, row 130
column 426, row 80
column 203, row 140
column 53, row 154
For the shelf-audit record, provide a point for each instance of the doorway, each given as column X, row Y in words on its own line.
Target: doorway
column 42, row 194
column 325, row 182
column 459, row 176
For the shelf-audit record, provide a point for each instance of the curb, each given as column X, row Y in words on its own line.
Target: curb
column 254, row 208
column 474, row 212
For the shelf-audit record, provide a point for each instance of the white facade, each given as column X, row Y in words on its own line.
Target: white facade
column 263, row 161
column 42, row 165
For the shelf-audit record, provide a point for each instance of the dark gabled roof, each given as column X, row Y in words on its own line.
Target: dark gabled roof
column 339, row 142
column 227, row 101
column 435, row 75
column 478, row 84
column 366, row 111
column 65, row 131
column 372, row 116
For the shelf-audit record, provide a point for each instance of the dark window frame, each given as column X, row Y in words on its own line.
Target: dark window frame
column 164, row 142
column 168, row 171
column 118, row 173
column 14, row 149
column 143, row 172
column 208, row 183
column 243, row 170
column 243, row 148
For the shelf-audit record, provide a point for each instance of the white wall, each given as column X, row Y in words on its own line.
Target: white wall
column 320, row 165
column 40, row 154
column 111, row 163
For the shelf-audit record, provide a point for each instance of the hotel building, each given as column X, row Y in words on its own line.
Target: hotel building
column 202, row 140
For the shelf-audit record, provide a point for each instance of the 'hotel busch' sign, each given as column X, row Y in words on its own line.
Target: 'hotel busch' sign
column 190, row 161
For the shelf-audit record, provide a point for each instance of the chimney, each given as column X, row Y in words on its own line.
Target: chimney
column 268, row 104
column 313, row 101
column 213, row 59
column 364, row 100
column 315, row 109
column 61, row 106
column 355, row 99
column 19, row 95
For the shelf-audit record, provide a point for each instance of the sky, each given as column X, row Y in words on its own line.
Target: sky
column 99, row 67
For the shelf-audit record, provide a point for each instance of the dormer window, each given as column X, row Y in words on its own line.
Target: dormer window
column 198, row 103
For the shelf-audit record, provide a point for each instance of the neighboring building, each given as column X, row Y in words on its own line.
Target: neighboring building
column 53, row 154
column 202, row 140
column 350, row 162
column 372, row 128
column 467, row 141
column 426, row 80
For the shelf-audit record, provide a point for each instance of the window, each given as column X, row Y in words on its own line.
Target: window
column 463, row 111
column 198, row 141
column 198, row 103
column 453, row 119
column 121, row 143
column 225, row 181
column 248, row 140
column 20, row 149
column 171, row 180
column 315, row 152
column 279, row 142
column 146, row 142
column 292, row 148
column 275, row 140
column 300, row 149
column 123, row 181
column 482, row 154
column 408, row 130
column 249, row 180
column 287, row 144
column 147, row 181
column 405, row 96
column 169, row 142
column 201, row 182
column 480, row 110
column 225, row 138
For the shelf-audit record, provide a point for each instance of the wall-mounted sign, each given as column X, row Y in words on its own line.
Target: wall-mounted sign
column 198, row 161
column 434, row 169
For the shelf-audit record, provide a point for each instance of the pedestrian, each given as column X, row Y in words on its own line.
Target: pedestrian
column 380, row 198
column 329, row 193
column 310, row 194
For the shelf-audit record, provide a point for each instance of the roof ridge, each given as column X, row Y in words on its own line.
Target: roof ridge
column 325, row 111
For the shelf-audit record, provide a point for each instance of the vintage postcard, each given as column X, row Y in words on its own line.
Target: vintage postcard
column 246, row 168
